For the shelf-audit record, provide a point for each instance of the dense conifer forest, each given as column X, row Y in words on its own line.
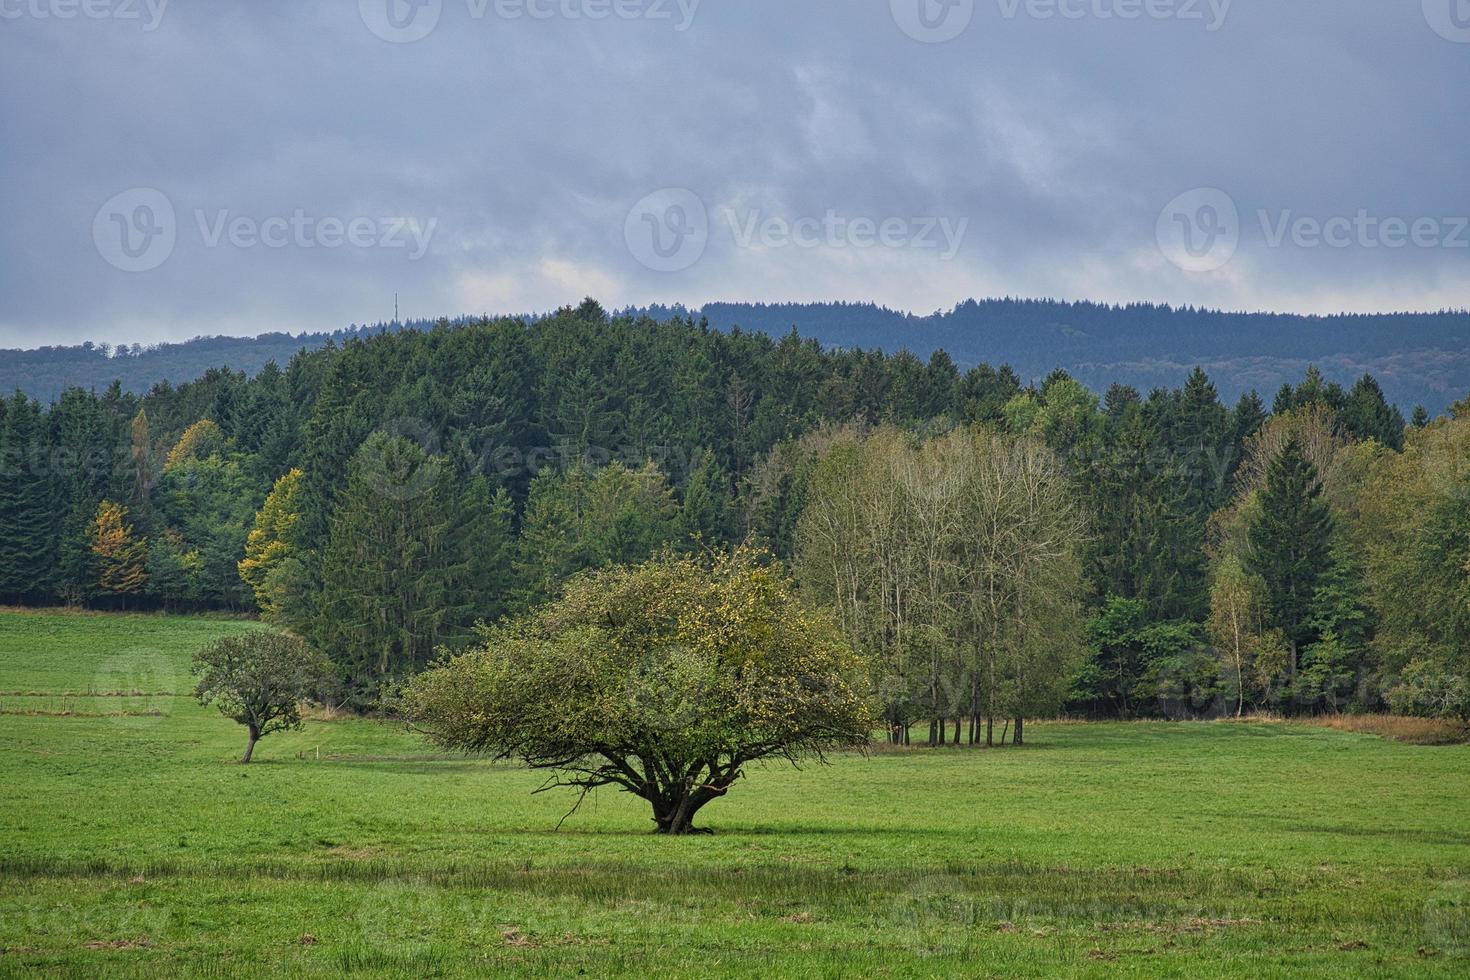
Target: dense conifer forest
column 997, row 548
column 1418, row 358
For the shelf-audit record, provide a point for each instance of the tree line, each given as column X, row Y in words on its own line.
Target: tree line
column 998, row 550
column 1142, row 344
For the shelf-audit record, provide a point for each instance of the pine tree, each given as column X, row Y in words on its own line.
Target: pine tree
column 1205, row 441
column 1342, row 624
column 483, row 590
column 1289, row 541
column 209, row 502
column 379, row 612
column 84, row 458
column 704, row 514
column 553, row 544
column 580, row 520
column 632, row 514
column 410, row 564
column 1368, row 415
column 1249, row 416
column 27, row 515
column 173, row 571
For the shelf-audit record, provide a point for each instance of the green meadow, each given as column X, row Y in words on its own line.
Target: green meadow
column 133, row 844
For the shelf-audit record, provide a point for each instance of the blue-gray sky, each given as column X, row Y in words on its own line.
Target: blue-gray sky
column 522, row 154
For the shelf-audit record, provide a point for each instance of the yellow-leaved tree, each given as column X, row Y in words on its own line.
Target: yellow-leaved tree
column 272, row 544
column 199, row 441
column 122, row 556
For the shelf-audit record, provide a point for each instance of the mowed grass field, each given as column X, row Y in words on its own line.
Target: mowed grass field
column 134, row 845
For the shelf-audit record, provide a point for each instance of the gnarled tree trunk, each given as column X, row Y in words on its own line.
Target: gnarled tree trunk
column 250, row 748
column 674, row 814
column 676, row 799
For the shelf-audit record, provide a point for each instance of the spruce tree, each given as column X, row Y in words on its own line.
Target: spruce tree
column 553, row 544
column 412, row 561
column 704, row 514
column 1205, row 441
column 1368, row 415
column 1289, row 544
column 27, row 517
column 1249, row 416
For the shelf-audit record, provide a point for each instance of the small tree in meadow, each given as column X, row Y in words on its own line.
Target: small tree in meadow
column 664, row 679
column 259, row 680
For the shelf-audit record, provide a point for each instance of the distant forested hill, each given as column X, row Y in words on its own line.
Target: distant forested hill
column 1418, row 358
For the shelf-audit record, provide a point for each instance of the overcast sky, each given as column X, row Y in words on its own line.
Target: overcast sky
column 169, row 169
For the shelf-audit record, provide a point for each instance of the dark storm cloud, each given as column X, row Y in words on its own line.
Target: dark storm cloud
column 308, row 160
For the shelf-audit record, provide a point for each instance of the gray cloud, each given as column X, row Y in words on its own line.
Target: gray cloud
column 524, row 142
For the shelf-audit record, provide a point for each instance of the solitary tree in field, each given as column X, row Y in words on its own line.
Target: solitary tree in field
column 665, row 680
column 259, row 680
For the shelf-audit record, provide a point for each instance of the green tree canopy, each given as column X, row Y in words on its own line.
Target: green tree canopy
column 665, row 680
column 259, row 679
column 1289, row 543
